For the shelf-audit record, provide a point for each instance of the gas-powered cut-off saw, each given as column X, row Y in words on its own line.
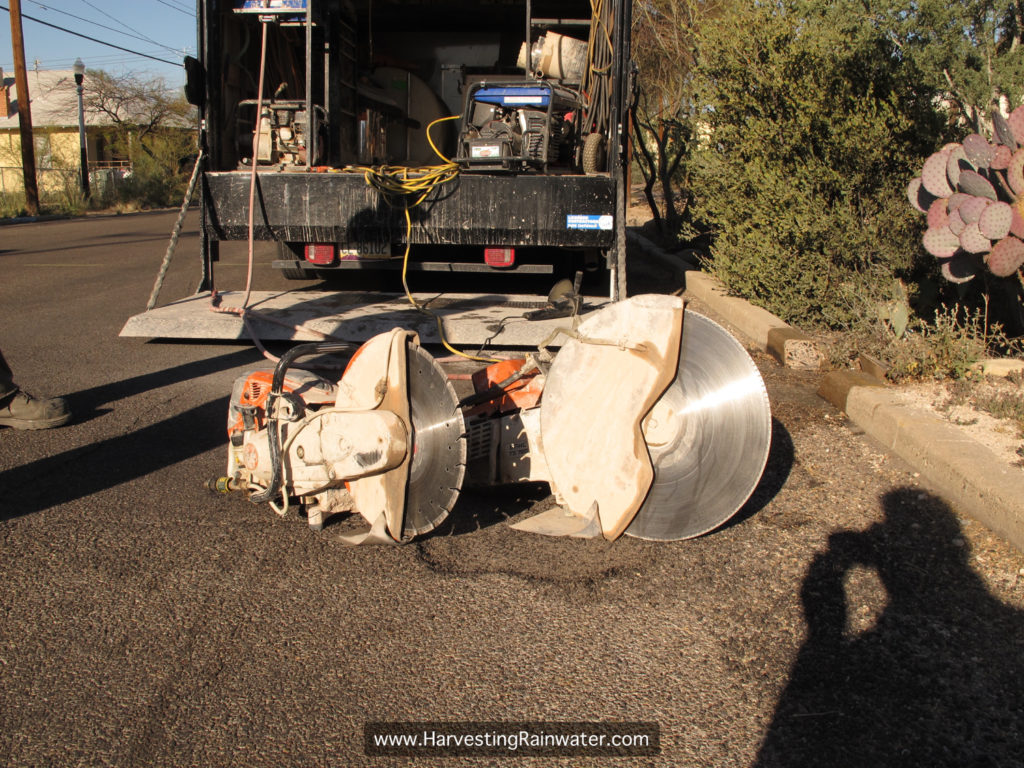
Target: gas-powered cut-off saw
column 651, row 420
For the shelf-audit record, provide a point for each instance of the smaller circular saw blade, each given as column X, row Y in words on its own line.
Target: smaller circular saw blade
column 708, row 436
column 438, row 445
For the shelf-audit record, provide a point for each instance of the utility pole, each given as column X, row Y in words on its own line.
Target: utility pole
column 28, row 150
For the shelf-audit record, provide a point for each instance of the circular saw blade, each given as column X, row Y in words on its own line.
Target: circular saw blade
column 438, row 445
column 708, row 436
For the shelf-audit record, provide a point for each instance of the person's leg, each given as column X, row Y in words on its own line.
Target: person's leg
column 20, row 410
column 6, row 378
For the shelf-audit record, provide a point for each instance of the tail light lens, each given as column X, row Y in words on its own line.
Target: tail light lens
column 500, row 257
column 321, row 254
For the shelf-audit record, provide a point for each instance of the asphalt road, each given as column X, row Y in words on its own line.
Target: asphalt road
column 846, row 616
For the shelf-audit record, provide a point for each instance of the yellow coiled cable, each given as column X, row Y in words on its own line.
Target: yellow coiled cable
column 409, row 187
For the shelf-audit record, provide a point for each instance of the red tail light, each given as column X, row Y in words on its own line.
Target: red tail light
column 321, row 254
column 500, row 257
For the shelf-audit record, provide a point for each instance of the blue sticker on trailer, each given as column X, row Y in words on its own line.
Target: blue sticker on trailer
column 589, row 221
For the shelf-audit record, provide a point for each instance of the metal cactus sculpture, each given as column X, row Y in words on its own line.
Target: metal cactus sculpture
column 973, row 194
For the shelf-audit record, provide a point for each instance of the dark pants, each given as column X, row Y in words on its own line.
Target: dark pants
column 6, row 378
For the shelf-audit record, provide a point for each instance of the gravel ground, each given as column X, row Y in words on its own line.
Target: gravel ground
column 845, row 616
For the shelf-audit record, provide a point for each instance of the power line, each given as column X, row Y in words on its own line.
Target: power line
column 93, row 39
column 95, row 62
column 179, row 10
column 114, row 18
column 191, row 11
column 103, row 26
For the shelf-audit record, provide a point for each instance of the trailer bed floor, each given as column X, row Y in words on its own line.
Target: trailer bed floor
column 316, row 315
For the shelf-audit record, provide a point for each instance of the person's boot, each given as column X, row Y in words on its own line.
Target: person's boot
column 20, row 410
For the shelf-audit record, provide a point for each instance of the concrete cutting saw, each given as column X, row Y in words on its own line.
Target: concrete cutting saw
column 650, row 420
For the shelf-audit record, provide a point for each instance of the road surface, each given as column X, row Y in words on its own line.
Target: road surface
column 846, row 616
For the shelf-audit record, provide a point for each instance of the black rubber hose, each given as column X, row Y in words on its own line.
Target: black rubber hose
column 277, row 384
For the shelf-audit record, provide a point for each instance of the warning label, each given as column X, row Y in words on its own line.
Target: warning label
column 589, row 221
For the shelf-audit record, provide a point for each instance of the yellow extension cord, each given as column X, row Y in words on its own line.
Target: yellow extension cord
column 410, row 187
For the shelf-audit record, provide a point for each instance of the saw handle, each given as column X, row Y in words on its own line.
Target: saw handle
column 277, row 384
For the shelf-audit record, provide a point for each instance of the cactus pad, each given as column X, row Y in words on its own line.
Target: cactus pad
column 970, row 211
column 973, row 183
column 1001, row 158
column 995, row 221
column 941, row 243
column 933, row 175
column 972, row 241
column 961, row 268
column 1016, row 123
column 956, row 222
column 1015, row 172
column 979, row 152
column 956, row 200
column 1006, row 257
column 1016, row 223
column 938, row 215
column 1004, row 134
column 918, row 196
column 955, row 163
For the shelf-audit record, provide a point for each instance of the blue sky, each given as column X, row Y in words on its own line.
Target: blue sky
column 163, row 29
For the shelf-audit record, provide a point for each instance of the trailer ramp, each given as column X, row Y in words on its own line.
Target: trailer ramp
column 469, row 319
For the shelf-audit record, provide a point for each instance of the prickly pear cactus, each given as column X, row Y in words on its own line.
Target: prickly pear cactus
column 973, row 195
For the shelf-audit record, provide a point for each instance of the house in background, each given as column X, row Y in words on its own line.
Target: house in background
column 54, row 100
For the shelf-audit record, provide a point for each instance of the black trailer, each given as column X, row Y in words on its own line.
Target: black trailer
column 478, row 144
column 537, row 91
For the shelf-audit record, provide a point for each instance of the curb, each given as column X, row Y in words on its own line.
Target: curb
column 86, row 215
column 962, row 470
column 33, row 219
column 959, row 468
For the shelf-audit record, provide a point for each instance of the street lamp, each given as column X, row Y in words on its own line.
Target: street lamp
column 79, row 68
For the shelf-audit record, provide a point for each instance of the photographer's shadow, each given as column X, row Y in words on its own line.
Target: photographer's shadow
column 938, row 680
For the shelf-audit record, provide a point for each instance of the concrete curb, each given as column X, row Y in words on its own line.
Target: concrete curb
column 86, row 215
column 966, row 473
column 959, row 468
column 791, row 347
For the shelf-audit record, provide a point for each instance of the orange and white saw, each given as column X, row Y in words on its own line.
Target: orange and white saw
column 651, row 420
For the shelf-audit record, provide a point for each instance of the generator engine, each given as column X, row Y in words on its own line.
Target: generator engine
column 518, row 127
column 283, row 127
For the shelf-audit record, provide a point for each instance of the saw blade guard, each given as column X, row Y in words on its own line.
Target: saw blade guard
column 391, row 434
column 658, row 417
column 393, row 373
column 708, row 436
column 601, row 384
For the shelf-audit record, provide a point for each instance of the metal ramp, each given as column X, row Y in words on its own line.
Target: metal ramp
column 469, row 319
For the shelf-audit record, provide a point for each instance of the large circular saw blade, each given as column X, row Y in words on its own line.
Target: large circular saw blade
column 708, row 436
column 438, row 445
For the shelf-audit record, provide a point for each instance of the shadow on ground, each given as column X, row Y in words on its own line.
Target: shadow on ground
column 88, row 469
column 86, row 403
column 937, row 678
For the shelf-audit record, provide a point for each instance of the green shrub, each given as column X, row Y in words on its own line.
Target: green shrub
column 155, row 180
column 809, row 132
column 946, row 348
